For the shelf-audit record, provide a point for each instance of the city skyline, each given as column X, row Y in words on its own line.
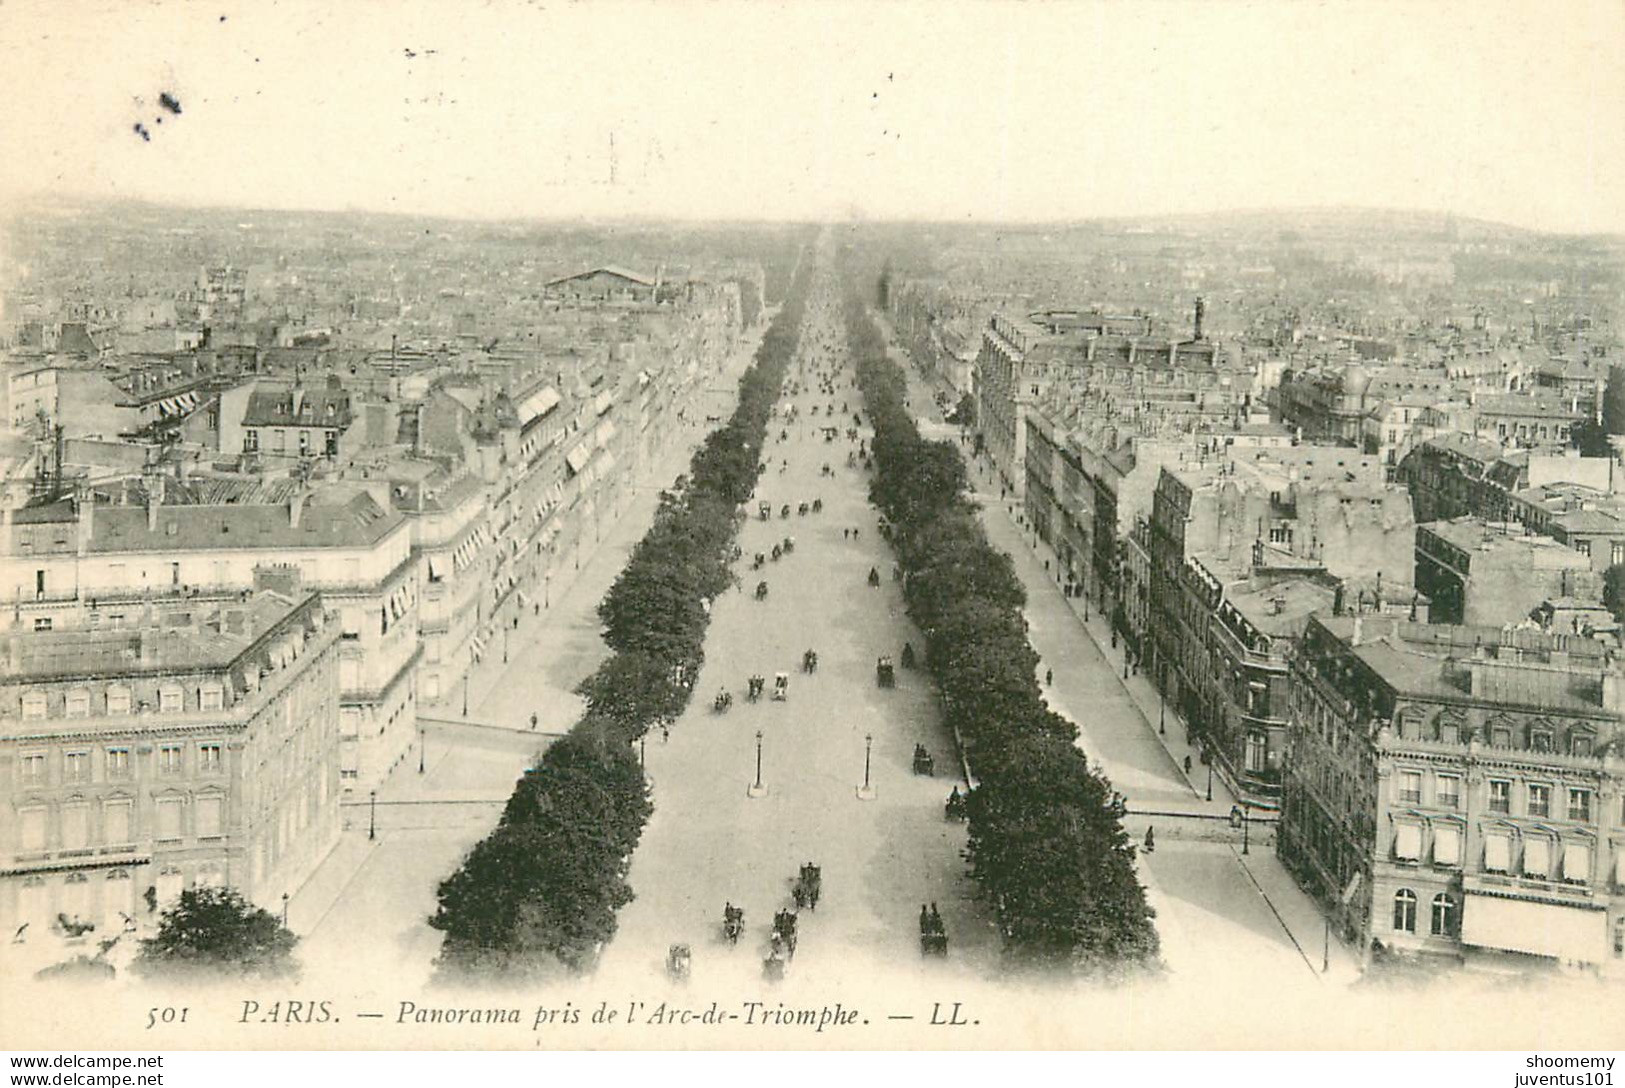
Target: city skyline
column 809, row 113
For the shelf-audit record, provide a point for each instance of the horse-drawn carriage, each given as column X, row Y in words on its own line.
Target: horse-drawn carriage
column 754, row 686
column 809, row 661
column 761, row 591
column 808, row 887
column 885, row 675
column 723, row 701
column 781, row 687
column 908, row 655
column 764, row 510
column 957, row 807
column 773, row 967
column 733, row 923
column 789, row 545
column 677, row 961
column 784, row 511
column 784, row 933
column 818, row 504
column 777, row 551
column 874, row 578
column 923, row 761
column 756, row 563
column 803, row 508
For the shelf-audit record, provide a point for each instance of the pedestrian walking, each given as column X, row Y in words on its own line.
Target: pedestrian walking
column 1049, row 677
column 1150, row 840
column 533, row 720
column 1187, row 764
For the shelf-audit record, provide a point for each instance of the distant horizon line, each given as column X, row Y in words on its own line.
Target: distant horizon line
column 37, row 199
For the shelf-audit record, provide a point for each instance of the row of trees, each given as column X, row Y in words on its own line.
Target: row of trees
column 1044, row 845
column 544, row 887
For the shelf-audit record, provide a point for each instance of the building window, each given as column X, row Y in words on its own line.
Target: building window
column 34, row 704
column 33, row 828
column 1580, row 744
column 210, row 697
column 42, row 623
column 1501, row 738
column 1500, row 795
column 1448, row 791
column 251, row 440
column 169, row 817
column 1540, row 800
column 1444, row 916
column 1580, row 805
column 1405, row 911
column 169, row 700
column 76, row 767
column 78, row 703
column 169, row 759
column 1409, row 784
column 208, row 758
column 116, row 822
column 1583, row 547
column 1617, row 552
column 1257, row 751
column 118, row 700
column 32, row 766
column 75, row 826
column 209, row 808
column 1541, row 740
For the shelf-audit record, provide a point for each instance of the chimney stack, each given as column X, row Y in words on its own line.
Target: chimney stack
column 1201, row 309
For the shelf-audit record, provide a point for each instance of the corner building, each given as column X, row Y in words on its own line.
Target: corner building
column 1460, row 790
column 198, row 748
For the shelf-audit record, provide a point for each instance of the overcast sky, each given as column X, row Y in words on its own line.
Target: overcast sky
column 998, row 111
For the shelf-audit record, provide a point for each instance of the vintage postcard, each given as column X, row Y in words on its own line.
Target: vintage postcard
column 812, row 526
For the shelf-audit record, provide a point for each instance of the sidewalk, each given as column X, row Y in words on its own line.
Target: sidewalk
column 1078, row 692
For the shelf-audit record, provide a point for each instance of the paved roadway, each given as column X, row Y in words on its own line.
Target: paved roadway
column 709, row 842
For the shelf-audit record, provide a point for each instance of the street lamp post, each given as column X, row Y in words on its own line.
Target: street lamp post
column 1162, row 711
column 284, row 910
column 421, row 737
column 868, row 748
column 465, row 689
column 1209, row 773
column 758, row 759
column 504, row 643
column 1246, row 809
column 372, row 815
column 643, row 749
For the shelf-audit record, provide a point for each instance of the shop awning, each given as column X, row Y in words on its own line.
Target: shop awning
column 1576, row 934
column 606, row 431
column 1408, row 842
column 538, row 404
column 1446, row 844
column 1498, row 853
column 604, row 402
column 577, row 458
column 1537, row 856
